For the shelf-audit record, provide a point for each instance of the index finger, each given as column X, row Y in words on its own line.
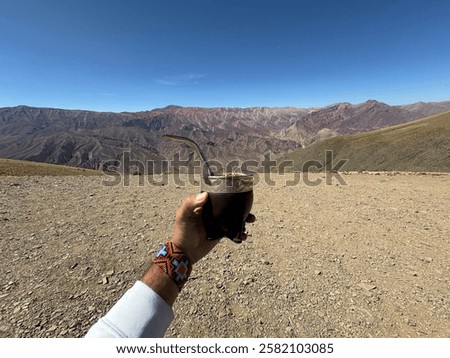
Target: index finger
column 250, row 218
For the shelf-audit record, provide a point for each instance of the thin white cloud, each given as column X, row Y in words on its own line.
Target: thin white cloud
column 179, row 80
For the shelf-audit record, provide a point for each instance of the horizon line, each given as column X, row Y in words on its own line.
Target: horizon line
column 219, row 107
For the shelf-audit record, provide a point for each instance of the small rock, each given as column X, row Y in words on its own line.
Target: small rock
column 367, row 286
column 52, row 328
column 318, row 272
column 17, row 309
column 110, row 273
column 410, row 322
column 37, row 323
column 105, row 281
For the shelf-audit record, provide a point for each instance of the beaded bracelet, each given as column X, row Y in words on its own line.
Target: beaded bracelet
column 174, row 263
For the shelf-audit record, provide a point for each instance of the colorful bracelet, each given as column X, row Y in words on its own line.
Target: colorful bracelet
column 174, row 263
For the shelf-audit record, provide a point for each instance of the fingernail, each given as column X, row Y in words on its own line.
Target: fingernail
column 200, row 197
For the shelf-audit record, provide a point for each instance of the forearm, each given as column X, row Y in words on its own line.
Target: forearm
column 145, row 310
column 170, row 271
column 161, row 283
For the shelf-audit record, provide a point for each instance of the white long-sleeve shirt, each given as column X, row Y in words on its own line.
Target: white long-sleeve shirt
column 140, row 312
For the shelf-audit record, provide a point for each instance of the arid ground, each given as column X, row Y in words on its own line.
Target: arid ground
column 366, row 259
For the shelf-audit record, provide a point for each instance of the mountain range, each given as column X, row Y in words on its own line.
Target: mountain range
column 89, row 139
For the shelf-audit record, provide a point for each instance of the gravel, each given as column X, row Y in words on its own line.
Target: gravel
column 367, row 259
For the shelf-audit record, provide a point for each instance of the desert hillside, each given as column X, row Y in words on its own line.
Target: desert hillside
column 421, row 145
column 10, row 167
column 365, row 259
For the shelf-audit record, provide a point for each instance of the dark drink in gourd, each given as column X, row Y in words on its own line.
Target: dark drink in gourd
column 230, row 199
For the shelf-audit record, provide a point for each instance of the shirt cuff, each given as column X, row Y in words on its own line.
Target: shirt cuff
column 141, row 312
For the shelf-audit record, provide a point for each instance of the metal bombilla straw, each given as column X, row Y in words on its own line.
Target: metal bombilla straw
column 194, row 145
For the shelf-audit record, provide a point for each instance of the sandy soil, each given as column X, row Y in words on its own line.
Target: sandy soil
column 367, row 259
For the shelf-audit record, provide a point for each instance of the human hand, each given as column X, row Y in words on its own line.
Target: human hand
column 189, row 233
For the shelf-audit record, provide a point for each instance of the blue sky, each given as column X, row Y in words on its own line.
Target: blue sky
column 138, row 55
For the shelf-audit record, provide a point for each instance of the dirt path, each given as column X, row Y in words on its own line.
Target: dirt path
column 367, row 259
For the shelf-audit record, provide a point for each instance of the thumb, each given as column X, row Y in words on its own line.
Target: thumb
column 201, row 198
column 192, row 205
